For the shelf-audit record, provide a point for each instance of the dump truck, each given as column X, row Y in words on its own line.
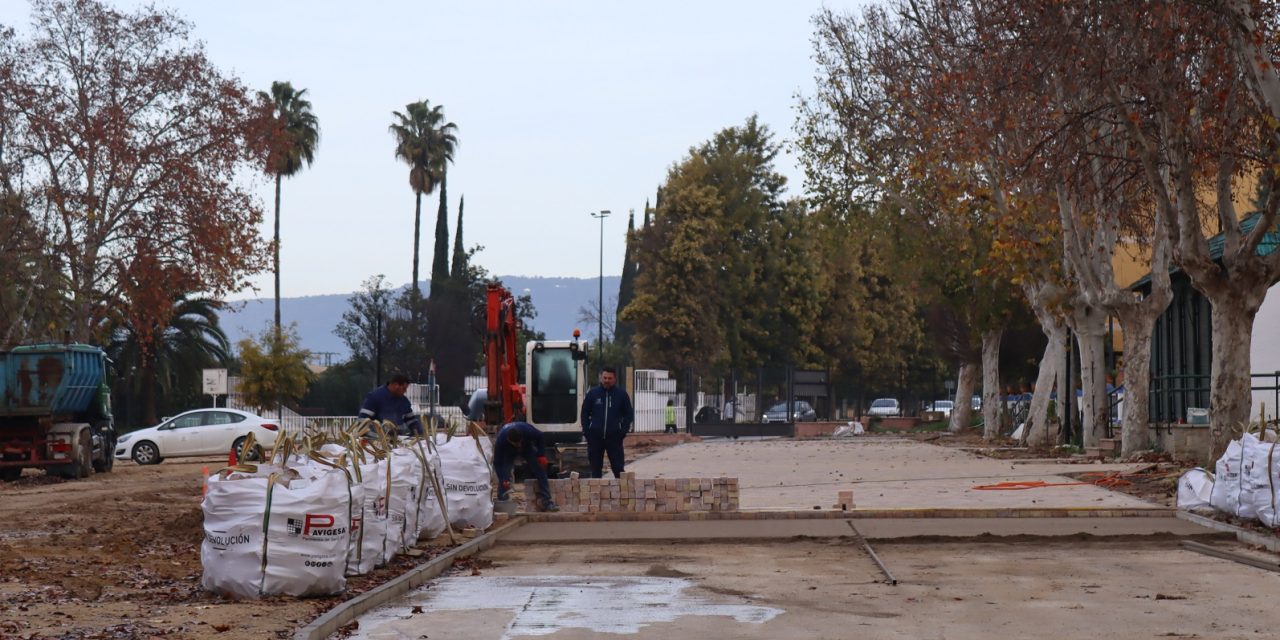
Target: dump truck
column 55, row 411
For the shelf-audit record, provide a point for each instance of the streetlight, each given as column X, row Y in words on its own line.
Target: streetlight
column 600, row 310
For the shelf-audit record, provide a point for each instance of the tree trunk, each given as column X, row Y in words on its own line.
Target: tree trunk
column 276, row 257
column 1230, row 397
column 148, row 388
column 962, row 409
column 1051, row 369
column 1137, row 382
column 417, row 232
column 1090, row 332
column 992, row 403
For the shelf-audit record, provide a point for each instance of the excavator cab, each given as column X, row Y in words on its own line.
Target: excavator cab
column 556, row 381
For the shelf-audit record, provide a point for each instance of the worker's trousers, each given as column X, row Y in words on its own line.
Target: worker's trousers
column 597, row 447
column 504, row 468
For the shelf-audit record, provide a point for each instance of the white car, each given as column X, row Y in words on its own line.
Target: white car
column 943, row 406
column 202, row 432
column 884, row 407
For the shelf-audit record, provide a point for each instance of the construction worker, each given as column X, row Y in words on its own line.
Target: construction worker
column 606, row 420
column 521, row 439
column 670, row 423
column 389, row 403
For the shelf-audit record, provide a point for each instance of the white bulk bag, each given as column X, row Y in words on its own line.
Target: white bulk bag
column 1226, row 486
column 369, row 534
column 406, row 497
column 1265, row 478
column 467, row 481
column 1253, row 476
column 386, row 497
column 431, row 518
column 276, row 532
column 1194, row 488
column 364, row 552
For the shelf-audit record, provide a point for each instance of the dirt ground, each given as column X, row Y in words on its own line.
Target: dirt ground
column 829, row 588
column 118, row 556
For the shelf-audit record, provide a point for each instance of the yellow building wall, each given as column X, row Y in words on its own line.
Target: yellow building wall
column 1132, row 262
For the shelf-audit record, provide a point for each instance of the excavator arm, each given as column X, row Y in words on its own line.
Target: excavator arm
column 506, row 399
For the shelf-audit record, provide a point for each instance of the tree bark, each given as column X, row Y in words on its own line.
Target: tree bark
column 148, row 388
column 1052, row 368
column 417, row 232
column 1230, row 396
column 992, row 403
column 962, row 409
column 1094, row 410
column 1137, row 382
column 276, row 257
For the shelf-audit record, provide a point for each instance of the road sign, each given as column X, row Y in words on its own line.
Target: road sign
column 215, row 382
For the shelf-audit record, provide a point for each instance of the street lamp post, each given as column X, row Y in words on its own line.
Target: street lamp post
column 600, row 310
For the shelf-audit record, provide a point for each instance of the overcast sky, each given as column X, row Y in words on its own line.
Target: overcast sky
column 563, row 108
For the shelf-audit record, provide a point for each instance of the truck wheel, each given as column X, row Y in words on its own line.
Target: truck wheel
column 105, row 465
column 146, row 453
column 9, row 474
column 85, row 468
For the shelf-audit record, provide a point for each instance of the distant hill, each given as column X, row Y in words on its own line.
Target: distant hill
column 556, row 300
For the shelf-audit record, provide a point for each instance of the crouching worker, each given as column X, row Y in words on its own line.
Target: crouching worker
column 523, row 440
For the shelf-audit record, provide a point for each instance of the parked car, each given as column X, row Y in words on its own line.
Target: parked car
column 706, row 415
column 802, row 412
column 885, row 407
column 942, row 406
column 202, row 432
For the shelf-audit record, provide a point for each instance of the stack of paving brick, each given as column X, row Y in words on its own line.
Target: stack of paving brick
column 629, row 494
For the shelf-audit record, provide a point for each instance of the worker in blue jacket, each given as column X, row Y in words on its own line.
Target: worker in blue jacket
column 606, row 420
column 388, row 402
column 521, row 439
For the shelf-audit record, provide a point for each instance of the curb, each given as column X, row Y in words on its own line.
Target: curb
column 343, row 614
column 1270, row 543
column 856, row 514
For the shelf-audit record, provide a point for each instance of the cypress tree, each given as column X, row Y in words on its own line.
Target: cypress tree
column 440, row 261
column 627, row 287
column 459, row 268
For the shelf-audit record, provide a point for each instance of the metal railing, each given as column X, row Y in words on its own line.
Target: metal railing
column 332, row 425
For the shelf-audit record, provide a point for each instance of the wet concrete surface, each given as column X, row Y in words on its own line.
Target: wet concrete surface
column 881, row 472
column 831, row 589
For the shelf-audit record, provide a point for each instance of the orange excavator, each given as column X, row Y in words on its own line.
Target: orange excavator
column 555, row 379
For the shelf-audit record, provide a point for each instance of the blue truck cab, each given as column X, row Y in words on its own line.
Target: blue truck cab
column 55, row 410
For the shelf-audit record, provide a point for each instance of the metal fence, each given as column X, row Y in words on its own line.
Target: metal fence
column 425, row 400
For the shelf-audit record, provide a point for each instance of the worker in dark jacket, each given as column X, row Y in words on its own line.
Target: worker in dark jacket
column 606, row 420
column 389, row 403
column 521, row 439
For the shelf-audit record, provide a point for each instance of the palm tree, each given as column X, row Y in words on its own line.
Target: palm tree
column 192, row 341
column 293, row 143
column 426, row 143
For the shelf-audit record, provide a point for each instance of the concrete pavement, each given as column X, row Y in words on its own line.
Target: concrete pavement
column 831, row 589
column 881, row 472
